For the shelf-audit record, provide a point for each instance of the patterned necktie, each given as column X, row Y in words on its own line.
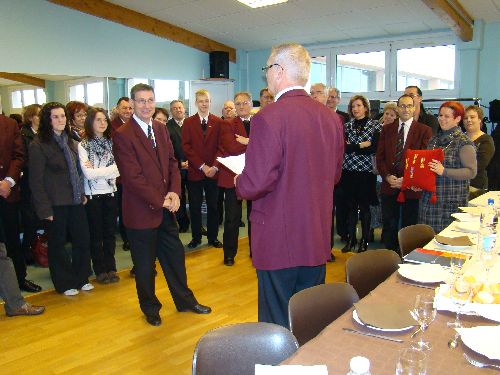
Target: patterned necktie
column 150, row 136
column 399, row 151
column 204, row 126
column 246, row 123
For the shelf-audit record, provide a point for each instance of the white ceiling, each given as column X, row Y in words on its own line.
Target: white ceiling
column 302, row 21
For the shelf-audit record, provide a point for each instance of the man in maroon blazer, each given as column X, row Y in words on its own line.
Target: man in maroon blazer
column 151, row 189
column 233, row 141
column 403, row 134
column 200, row 141
column 293, row 160
column 11, row 164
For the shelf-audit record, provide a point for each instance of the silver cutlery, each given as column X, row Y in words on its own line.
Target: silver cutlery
column 476, row 363
column 350, row 330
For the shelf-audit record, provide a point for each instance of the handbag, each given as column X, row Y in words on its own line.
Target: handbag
column 417, row 172
column 40, row 248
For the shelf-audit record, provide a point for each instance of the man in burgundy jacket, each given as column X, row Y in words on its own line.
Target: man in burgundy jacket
column 403, row 134
column 293, row 160
column 151, row 189
column 11, row 164
column 200, row 141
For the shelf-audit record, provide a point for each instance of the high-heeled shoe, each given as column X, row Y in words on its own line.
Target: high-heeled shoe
column 362, row 246
column 350, row 245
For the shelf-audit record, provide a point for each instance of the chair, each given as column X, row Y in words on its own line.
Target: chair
column 414, row 236
column 364, row 271
column 235, row 349
column 312, row 309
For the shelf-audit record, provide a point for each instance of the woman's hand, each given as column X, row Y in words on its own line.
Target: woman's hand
column 88, row 164
column 50, row 218
column 365, row 144
column 436, row 167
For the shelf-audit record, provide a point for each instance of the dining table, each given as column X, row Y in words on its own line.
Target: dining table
column 335, row 345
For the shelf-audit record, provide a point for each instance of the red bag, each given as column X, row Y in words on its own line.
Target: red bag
column 40, row 250
column 417, row 172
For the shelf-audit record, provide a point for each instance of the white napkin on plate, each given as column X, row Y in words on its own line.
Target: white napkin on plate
column 484, row 340
column 423, row 273
column 291, row 370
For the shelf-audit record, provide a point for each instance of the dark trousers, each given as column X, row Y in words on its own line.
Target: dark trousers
column 101, row 214
column 341, row 210
column 195, row 190
column 69, row 271
column 249, row 226
column 232, row 219
column 163, row 243
column 31, row 224
column 220, row 205
column 10, row 218
column 181, row 214
column 123, row 231
column 395, row 216
column 278, row 286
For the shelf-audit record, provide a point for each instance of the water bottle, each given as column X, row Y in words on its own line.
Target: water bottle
column 488, row 227
column 359, row 366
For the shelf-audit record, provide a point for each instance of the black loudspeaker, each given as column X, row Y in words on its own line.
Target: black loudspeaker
column 219, row 64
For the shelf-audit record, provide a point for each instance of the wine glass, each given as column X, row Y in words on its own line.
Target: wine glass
column 488, row 258
column 424, row 313
column 456, row 264
column 411, row 361
column 460, row 293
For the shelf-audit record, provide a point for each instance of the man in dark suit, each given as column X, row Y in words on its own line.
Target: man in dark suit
column 333, row 101
column 403, row 134
column 11, row 164
column 200, row 141
column 290, row 184
column 151, row 188
column 174, row 126
column 420, row 114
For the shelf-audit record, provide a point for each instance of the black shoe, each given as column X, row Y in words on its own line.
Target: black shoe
column 203, row 231
column 183, row 229
column 332, row 257
column 132, row 272
column 362, row 246
column 154, row 320
column 344, row 238
column 349, row 246
column 215, row 243
column 126, row 246
column 193, row 244
column 29, row 286
column 198, row 309
column 242, row 224
column 229, row 261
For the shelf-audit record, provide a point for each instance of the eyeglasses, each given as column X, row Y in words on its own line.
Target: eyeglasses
column 413, row 95
column 406, row 106
column 266, row 68
column 246, row 102
column 144, row 101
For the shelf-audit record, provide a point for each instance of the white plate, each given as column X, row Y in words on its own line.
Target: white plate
column 452, row 248
column 482, row 339
column 356, row 318
column 474, row 211
column 423, row 273
column 468, row 227
column 465, row 217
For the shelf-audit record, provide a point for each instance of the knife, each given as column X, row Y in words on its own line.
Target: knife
column 350, row 330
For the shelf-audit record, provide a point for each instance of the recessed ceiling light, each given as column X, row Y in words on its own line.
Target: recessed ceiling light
column 261, row 3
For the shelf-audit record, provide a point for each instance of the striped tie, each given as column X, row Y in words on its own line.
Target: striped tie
column 399, row 151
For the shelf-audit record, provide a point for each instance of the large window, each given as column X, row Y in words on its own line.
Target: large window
column 87, row 91
column 361, row 72
column 166, row 90
column 21, row 97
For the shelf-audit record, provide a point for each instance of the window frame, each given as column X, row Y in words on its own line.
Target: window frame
column 23, row 88
column 85, row 82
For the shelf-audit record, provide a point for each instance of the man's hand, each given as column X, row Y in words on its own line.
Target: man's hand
column 235, row 177
column 391, row 180
column 172, row 202
column 184, row 164
column 211, row 172
column 85, row 200
column 241, row 139
column 50, row 218
column 205, row 169
column 4, row 188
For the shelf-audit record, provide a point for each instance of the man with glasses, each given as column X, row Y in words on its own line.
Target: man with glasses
column 151, row 189
column 265, row 97
column 404, row 133
column 233, row 141
column 319, row 92
column 333, row 101
column 293, row 160
column 420, row 115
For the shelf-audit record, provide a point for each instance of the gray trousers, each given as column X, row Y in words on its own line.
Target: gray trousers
column 9, row 288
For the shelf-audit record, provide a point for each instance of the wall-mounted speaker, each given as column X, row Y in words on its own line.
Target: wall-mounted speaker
column 219, row 64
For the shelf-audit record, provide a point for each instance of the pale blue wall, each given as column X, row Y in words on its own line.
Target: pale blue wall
column 489, row 63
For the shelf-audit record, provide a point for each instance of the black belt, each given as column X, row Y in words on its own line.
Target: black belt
column 100, row 196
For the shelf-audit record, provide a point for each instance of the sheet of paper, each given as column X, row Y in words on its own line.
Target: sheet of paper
column 291, row 370
column 234, row 163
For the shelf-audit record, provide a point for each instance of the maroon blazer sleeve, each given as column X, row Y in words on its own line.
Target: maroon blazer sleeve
column 174, row 175
column 11, row 142
column 228, row 139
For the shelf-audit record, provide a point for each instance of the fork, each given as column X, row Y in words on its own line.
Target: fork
column 476, row 363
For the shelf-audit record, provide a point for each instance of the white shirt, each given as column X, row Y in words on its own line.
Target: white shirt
column 95, row 179
column 144, row 127
column 406, row 128
column 276, row 97
column 204, row 118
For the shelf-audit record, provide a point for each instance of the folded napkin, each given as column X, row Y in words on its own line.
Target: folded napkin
column 423, row 273
column 465, row 217
column 454, row 241
column 291, row 370
column 475, row 211
column 482, row 339
column 385, row 315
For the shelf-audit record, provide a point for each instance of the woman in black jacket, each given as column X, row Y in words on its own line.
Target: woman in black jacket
column 56, row 183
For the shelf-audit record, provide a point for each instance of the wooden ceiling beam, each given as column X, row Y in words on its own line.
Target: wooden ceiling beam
column 139, row 21
column 454, row 15
column 24, row 78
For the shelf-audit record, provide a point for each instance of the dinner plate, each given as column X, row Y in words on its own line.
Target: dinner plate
column 451, row 247
column 482, row 339
column 474, row 211
column 357, row 320
column 468, row 227
column 465, row 217
column 423, row 273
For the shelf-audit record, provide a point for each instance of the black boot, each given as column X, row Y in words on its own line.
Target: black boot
column 363, row 245
column 350, row 245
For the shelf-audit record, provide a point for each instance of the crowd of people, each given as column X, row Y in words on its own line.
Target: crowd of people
column 76, row 173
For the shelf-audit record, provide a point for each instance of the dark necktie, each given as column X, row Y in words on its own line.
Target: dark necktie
column 399, row 151
column 204, row 126
column 150, row 136
column 246, row 123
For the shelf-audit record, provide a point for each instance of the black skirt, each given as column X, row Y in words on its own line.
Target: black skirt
column 360, row 187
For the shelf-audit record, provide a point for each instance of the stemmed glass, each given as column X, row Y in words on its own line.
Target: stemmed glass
column 456, row 264
column 460, row 293
column 488, row 258
column 424, row 313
